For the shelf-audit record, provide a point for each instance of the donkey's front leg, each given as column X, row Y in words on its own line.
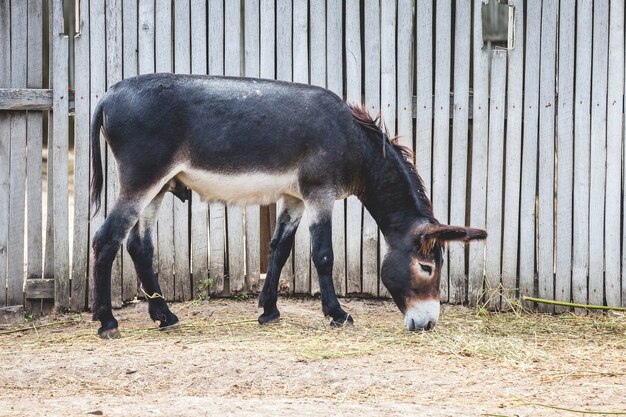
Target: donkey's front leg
column 322, row 253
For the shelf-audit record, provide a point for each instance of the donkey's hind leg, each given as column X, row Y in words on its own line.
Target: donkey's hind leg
column 280, row 246
column 141, row 250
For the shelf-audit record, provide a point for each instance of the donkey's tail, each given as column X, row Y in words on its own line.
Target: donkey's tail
column 96, row 161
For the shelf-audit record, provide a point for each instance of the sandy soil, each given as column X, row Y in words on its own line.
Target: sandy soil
column 221, row 362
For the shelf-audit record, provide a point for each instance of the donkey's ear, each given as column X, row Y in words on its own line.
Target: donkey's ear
column 446, row 233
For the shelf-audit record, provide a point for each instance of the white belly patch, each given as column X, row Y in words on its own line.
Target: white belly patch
column 250, row 188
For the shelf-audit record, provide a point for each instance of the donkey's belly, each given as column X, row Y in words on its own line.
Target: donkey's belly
column 249, row 188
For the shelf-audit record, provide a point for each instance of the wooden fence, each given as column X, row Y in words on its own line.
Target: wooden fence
column 526, row 141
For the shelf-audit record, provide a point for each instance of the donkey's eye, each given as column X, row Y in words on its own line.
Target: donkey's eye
column 426, row 268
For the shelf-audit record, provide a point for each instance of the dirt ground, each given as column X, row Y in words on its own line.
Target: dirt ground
column 221, row 362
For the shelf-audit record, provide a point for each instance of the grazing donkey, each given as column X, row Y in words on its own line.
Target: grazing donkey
column 252, row 141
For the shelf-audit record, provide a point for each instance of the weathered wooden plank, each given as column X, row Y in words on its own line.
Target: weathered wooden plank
column 17, row 159
column 217, row 211
column 5, row 146
column 145, row 37
column 441, row 123
column 114, row 74
column 232, row 66
column 284, row 71
column 36, row 289
column 565, row 155
column 82, row 116
column 302, row 250
column 424, row 90
column 253, row 214
column 267, row 53
column 582, row 129
column 547, row 96
column 529, row 150
column 405, row 73
column 129, row 69
column 59, row 84
column 182, row 65
column 25, row 99
column 199, row 209
column 512, row 165
column 598, row 154
column 495, row 168
column 353, row 86
column 479, row 156
column 614, row 120
column 460, row 138
column 373, row 74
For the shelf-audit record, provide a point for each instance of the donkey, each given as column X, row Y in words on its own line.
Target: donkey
column 252, row 141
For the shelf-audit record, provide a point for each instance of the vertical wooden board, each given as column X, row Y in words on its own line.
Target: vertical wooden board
column 34, row 268
column 232, row 66
column 424, row 89
column 97, row 79
column 582, row 129
column 82, row 117
column 182, row 65
column 614, row 122
column 145, row 37
column 353, row 94
column 284, row 71
column 460, row 133
column 217, row 211
column 5, row 145
column 59, row 155
column 373, row 73
column 163, row 54
column 405, row 73
column 529, row 150
column 441, row 123
column 513, row 159
column 17, row 159
column 199, row 209
column 302, row 250
column 114, row 74
column 480, row 137
column 547, row 92
column 253, row 215
column 129, row 69
column 495, row 168
column 267, row 53
column 565, row 153
column 598, row 154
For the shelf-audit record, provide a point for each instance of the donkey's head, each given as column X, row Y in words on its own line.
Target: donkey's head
column 411, row 271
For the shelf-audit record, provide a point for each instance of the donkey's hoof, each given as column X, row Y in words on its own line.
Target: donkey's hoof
column 170, row 322
column 343, row 321
column 169, row 327
column 109, row 333
column 271, row 317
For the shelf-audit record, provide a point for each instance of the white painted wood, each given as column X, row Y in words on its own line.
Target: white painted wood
column 182, row 65
column 253, row 215
column 334, row 51
column 615, row 106
column 460, row 137
column 529, row 150
column 353, row 86
column 5, row 146
column 479, row 157
column 424, row 90
column 82, row 117
column 582, row 129
column 145, row 35
column 598, row 154
column 217, row 211
column 373, row 74
column 163, row 55
column 59, row 155
column 129, row 69
column 199, row 209
column 268, row 39
column 441, row 123
column 302, row 258
column 565, row 153
column 495, row 171
column 232, row 66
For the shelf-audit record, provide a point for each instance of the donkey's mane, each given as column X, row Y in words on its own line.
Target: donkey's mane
column 404, row 154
